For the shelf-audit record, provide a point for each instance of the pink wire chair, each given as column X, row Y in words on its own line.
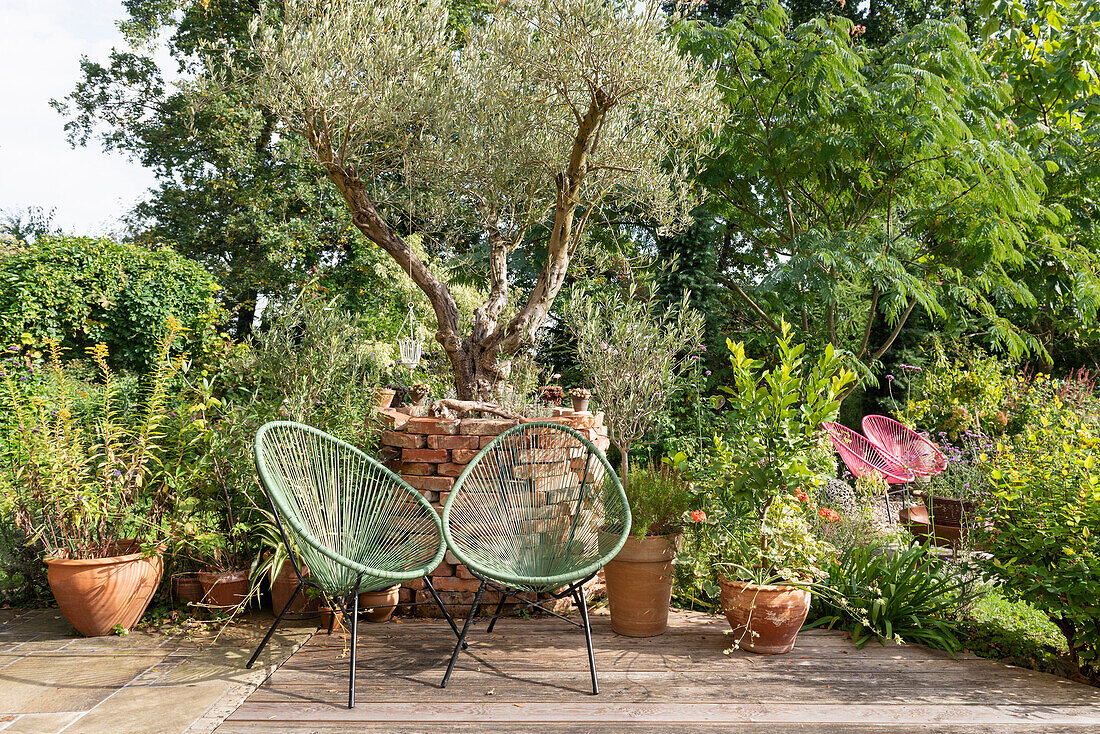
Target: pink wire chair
column 863, row 459
column 902, row 447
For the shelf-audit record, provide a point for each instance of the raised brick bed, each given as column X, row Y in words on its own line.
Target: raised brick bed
column 429, row 454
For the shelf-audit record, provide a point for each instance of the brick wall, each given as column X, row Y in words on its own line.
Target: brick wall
column 429, row 454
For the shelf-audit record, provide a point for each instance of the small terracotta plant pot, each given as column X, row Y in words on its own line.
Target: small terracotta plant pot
column 765, row 619
column 100, row 595
column 224, row 589
column 283, row 587
column 327, row 614
column 383, row 397
column 186, row 588
column 580, row 404
column 379, row 606
column 639, row 585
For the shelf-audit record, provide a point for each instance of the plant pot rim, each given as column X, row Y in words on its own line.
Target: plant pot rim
column 54, row 558
column 230, row 573
column 723, row 581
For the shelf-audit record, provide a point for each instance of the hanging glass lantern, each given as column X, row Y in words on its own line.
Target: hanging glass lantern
column 409, row 346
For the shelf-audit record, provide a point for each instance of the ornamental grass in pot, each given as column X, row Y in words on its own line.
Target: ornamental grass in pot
column 639, row 579
column 758, row 543
column 88, row 485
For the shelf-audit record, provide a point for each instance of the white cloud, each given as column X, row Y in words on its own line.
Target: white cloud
column 41, row 42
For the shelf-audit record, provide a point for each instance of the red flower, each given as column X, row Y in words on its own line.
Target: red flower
column 801, row 496
column 698, row 516
column 829, row 515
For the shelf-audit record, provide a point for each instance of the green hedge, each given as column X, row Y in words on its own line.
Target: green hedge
column 83, row 291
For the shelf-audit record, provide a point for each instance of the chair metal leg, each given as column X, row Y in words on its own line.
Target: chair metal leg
column 439, row 603
column 354, row 640
column 462, row 635
column 271, row 630
column 583, row 606
column 496, row 614
column 889, row 512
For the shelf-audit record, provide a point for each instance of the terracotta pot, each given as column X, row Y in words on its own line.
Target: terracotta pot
column 283, row 587
column 186, row 588
column 580, row 404
column 765, row 619
column 380, row 604
column 383, row 397
column 224, row 589
column 639, row 585
column 99, row 594
column 327, row 613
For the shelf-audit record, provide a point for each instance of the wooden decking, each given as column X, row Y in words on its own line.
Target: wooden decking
column 532, row 676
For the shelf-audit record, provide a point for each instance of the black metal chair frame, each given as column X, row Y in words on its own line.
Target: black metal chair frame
column 349, row 611
column 575, row 590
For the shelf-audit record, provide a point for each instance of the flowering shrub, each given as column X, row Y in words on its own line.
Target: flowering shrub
column 759, row 480
column 84, row 482
column 1042, row 528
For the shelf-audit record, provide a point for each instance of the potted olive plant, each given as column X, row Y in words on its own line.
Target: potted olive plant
column 87, row 488
column 639, row 578
column 759, row 540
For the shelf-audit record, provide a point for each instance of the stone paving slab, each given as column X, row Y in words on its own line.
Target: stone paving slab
column 53, row 680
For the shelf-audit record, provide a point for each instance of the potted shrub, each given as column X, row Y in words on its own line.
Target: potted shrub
column 639, row 579
column 759, row 539
column 87, row 487
column 580, row 397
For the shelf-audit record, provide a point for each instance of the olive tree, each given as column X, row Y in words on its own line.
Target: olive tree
column 634, row 351
column 520, row 132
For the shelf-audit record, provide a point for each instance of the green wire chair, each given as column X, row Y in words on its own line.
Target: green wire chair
column 538, row 510
column 354, row 523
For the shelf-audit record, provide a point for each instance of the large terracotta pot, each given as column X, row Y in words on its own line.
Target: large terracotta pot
column 639, row 585
column 917, row 521
column 99, row 595
column 224, row 589
column 765, row 619
column 283, row 587
column 380, row 604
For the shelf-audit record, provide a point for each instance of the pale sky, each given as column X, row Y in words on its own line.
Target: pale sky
column 41, row 42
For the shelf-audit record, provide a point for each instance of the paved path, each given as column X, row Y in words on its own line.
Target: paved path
column 52, row 680
column 532, row 676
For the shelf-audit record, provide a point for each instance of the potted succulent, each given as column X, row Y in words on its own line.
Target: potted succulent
column 580, row 397
column 639, row 578
column 551, row 394
column 759, row 540
column 418, row 393
column 87, row 487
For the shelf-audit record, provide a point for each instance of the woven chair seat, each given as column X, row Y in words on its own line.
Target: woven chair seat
column 356, row 525
column 536, row 509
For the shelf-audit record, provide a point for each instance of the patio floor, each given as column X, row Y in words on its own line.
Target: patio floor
column 532, row 676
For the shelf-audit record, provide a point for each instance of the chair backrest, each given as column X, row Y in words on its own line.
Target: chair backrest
column 860, row 455
column 903, row 446
column 537, row 508
column 356, row 525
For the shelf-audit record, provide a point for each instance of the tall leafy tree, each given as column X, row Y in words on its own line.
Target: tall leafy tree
column 544, row 112
column 865, row 183
column 1048, row 53
column 231, row 193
